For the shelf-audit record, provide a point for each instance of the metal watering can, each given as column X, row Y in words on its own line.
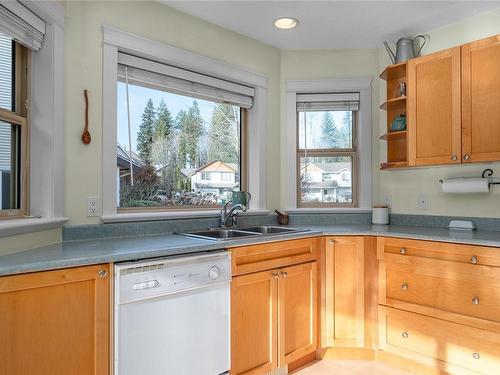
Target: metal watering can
column 405, row 49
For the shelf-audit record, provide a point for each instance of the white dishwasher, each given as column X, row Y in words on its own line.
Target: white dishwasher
column 172, row 315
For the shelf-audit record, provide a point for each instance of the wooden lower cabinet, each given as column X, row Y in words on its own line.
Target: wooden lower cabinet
column 254, row 316
column 297, row 300
column 451, row 347
column 349, row 292
column 273, row 318
column 55, row 322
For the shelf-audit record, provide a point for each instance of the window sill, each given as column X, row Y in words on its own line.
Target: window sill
column 23, row 226
column 356, row 210
column 172, row 215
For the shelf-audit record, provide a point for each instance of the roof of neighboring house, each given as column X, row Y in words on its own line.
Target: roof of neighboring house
column 328, row 184
column 213, row 166
column 329, row 167
column 123, row 158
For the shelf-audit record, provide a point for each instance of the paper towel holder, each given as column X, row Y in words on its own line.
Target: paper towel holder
column 486, row 173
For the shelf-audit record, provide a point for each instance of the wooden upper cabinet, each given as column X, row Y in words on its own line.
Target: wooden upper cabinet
column 254, row 315
column 481, row 100
column 55, row 322
column 434, row 108
column 297, row 312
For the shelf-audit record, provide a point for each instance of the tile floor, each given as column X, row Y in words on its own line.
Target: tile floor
column 344, row 367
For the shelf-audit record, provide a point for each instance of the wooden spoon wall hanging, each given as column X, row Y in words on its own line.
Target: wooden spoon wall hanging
column 86, row 139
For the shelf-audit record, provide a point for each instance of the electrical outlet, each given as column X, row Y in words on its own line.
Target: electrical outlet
column 92, row 206
column 423, row 201
column 388, row 200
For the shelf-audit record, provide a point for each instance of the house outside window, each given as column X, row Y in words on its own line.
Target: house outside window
column 326, row 150
column 14, row 128
column 182, row 141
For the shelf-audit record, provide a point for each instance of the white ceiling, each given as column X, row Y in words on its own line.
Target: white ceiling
column 332, row 24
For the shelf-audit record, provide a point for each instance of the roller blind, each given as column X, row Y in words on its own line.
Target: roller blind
column 22, row 25
column 154, row 75
column 328, row 102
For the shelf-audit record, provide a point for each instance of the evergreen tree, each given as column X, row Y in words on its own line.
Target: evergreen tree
column 164, row 122
column 190, row 125
column 223, row 135
column 346, row 133
column 146, row 129
column 330, row 133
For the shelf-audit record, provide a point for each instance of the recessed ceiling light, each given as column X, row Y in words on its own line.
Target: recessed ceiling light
column 286, row 23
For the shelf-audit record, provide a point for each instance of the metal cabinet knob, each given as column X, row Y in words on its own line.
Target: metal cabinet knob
column 402, row 251
column 405, row 335
column 284, row 274
column 453, row 157
column 466, row 157
column 475, row 301
column 473, row 259
column 476, row 355
column 330, row 242
column 404, row 286
column 276, row 275
column 103, row 273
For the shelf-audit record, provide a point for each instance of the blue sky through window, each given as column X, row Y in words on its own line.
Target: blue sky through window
column 139, row 96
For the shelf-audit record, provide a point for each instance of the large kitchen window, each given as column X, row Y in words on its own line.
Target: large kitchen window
column 180, row 137
column 326, row 150
column 14, row 129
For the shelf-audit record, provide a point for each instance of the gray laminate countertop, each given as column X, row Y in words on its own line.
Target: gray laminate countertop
column 79, row 253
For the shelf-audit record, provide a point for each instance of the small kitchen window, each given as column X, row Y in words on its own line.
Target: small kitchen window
column 327, row 150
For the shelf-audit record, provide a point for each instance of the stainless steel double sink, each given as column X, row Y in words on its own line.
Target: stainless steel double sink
column 221, row 234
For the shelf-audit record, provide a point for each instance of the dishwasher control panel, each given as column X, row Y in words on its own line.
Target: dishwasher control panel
column 159, row 277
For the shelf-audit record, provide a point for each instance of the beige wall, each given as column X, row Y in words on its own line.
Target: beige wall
column 404, row 186
column 317, row 64
column 163, row 24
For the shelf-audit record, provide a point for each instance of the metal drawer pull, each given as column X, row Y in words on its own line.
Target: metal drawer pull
column 466, row 157
column 103, row 273
column 476, row 355
column 284, row 274
column 453, row 157
column 473, row 259
column 405, row 335
column 276, row 275
column 402, row 251
column 404, row 286
column 475, row 301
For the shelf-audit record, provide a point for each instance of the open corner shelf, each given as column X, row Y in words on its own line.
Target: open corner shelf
column 393, row 71
column 393, row 135
column 394, row 103
column 393, row 165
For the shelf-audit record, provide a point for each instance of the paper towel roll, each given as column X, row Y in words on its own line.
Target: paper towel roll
column 465, row 185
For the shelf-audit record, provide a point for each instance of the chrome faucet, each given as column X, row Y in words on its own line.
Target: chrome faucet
column 225, row 215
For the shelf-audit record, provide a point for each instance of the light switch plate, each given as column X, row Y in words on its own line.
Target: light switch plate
column 423, row 201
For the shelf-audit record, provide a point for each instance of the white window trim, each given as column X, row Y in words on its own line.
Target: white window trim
column 46, row 188
column 363, row 85
column 115, row 40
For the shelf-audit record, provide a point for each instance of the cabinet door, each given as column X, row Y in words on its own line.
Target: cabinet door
column 253, row 323
column 297, row 296
column 55, row 322
column 480, row 100
column 348, row 259
column 434, row 128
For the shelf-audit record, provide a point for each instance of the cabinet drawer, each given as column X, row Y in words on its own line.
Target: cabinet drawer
column 266, row 256
column 445, row 286
column 394, row 249
column 450, row 346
